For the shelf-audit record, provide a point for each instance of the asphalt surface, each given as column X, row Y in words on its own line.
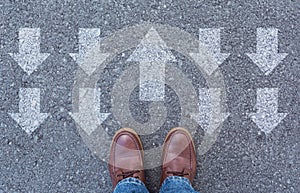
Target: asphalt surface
column 54, row 158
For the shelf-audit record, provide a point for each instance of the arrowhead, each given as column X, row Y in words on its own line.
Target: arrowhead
column 208, row 125
column 267, row 122
column 88, row 121
column 29, row 62
column 89, row 62
column 102, row 117
column 220, row 58
column 152, row 48
column 29, row 121
column 267, row 62
column 209, row 66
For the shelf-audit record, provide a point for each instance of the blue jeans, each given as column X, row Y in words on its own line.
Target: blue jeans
column 172, row 184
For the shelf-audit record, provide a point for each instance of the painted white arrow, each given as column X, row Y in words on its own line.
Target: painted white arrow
column 29, row 116
column 29, row 56
column 210, row 116
column 152, row 54
column 267, row 56
column 89, row 56
column 89, row 116
column 267, row 117
column 210, row 38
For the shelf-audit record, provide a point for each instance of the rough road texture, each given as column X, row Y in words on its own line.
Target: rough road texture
column 243, row 159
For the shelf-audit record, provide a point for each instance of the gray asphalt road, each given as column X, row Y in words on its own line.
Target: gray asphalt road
column 54, row 158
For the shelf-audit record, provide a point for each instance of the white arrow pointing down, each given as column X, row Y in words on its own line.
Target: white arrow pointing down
column 210, row 115
column 89, row 116
column 267, row 56
column 29, row 56
column 267, row 117
column 210, row 38
column 29, row 116
column 89, row 56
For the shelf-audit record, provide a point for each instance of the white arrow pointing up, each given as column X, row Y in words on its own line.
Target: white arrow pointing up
column 267, row 117
column 267, row 56
column 89, row 56
column 152, row 54
column 89, row 116
column 29, row 56
column 210, row 116
column 210, row 38
column 29, row 116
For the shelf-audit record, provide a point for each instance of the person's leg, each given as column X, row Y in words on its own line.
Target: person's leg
column 131, row 185
column 177, row 184
column 178, row 162
column 126, row 166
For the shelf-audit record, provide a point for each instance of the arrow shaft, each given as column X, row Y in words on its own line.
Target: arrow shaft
column 89, row 99
column 152, row 80
column 209, row 100
column 29, row 40
column 211, row 39
column 29, row 100
column 267, row 40
column 267, row 100
column 209, row 106
column 204, row 107
column 88, row 37
column 152, row 54
column 204, row 101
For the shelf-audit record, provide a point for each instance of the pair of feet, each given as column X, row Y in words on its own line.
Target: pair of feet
column 126, row 156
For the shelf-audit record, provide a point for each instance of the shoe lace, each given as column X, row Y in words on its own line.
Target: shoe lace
column 176, row 173
column 128, row 174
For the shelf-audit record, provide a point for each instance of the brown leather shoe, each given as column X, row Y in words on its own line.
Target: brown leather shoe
column 179, row 157
column 126, row 156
